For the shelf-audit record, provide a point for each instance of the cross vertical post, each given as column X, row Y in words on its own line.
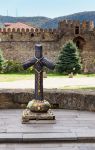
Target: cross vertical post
column 38, row 73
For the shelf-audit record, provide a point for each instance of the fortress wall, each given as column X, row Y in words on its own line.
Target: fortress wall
column 88, row 56
column 21, row 51
column 19, row 44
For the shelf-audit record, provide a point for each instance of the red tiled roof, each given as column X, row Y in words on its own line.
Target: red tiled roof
column 18, row 25
column 7, row 24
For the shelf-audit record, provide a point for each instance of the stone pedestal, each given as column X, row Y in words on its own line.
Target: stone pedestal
column 29, row 115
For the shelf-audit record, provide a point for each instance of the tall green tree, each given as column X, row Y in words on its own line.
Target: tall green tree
column 1, row 61
column 69, row 60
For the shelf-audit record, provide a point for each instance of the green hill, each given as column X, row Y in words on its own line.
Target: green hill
column 44, row 22
column 36, row 21
column 53, row 23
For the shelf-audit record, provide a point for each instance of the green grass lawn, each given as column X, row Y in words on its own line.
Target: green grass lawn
column 14, row 77
column 79, row 88
column 75, row 76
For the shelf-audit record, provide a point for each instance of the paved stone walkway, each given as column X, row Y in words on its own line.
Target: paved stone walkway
column 48, row 146
column 70, row 125
column 54, row 82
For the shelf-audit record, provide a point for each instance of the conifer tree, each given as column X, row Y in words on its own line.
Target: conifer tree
column 69, row 60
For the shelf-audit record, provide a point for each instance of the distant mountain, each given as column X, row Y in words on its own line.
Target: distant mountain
column 53, row 23
column 44, row 22
column 36, row 21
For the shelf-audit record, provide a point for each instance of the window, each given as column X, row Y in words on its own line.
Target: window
column 11, row 37
column 80, row 42
column 43, row 37
column 32, row 35
column 76, row 30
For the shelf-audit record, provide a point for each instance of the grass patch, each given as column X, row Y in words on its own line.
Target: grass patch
column 78, row 88
column 66, row 76
column 57, row 75
column 14, row 77
column 84, row 75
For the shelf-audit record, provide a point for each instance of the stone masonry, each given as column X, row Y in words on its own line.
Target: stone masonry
column 18, row 44
column 59, row 99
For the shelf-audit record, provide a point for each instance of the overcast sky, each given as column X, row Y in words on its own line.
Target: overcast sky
column 48, row 8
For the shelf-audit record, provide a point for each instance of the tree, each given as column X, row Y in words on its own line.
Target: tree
column 1, row 61
column 69, row 60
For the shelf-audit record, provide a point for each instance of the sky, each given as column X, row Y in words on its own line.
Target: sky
column 47, row 8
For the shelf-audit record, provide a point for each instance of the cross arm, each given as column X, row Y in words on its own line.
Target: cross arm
column 48, row 63
column 29, row 63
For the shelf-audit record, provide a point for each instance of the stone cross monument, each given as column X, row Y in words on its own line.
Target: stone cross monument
column 38, row 108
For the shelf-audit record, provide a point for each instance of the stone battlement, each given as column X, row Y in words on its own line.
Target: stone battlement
column 28, row 34
column 69, row 24
column 9, row 30
column 34, row 34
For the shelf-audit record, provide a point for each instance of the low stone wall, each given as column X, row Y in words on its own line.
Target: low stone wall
column 63, row 99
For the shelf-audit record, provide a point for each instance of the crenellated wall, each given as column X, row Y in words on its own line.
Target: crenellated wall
column 71, row 24
column 18, row 44
column 28, row 35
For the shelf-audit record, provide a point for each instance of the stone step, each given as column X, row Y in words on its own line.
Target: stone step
column 47, row 146
column 44, row 137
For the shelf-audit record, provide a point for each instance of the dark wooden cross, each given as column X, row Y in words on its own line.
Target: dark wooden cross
column 38, row 61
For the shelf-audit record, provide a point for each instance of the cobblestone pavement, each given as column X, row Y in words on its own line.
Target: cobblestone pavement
column 54, row 82
column 69, row 126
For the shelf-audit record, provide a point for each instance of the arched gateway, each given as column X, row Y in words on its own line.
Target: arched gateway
column 80, row 42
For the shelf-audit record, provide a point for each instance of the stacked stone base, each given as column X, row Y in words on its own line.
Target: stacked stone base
column 29, row 115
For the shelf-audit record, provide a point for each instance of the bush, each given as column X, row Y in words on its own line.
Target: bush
column 1, row 61
column 11, row 66
column 69, row 60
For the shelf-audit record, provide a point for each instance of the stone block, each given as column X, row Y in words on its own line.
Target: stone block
column 29, row 115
